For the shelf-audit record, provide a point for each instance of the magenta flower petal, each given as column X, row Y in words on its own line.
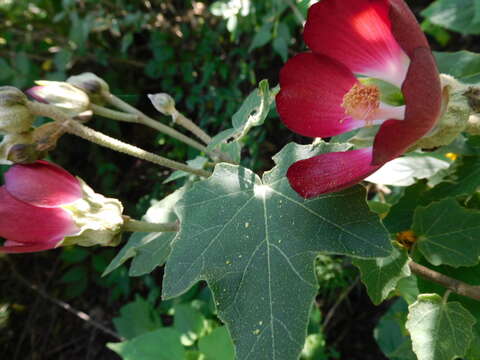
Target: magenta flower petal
column 312, row 91
column 42, row 184
column 405, row 28
column 35, row 93
column 32, row 225
column 422, row 93
column 14, row 247
column 358, row 34
column 330, row 172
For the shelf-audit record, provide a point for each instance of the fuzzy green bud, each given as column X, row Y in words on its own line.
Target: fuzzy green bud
column 67, row 97
column 15, row 117
column 164, row 103
column 94, row 86
column 455, row 115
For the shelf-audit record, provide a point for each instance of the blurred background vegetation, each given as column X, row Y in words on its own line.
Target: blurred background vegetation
column 208, row 55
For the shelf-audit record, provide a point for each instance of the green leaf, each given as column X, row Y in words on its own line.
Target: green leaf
column 400, row 217
column 149, row 250
column 217, row 345
column 381, row 275
column 406, row 170
column 197, row 163
column 463, row 65
column 262, row 37
column 391, row 335
column 137, row 318
column 439, row 331
column 255, row 243
column 254, row 109
column 464, row 181
column 281, row 48
column 448, row 233
column 456, row 15
column 161, row 344
column 189, row 322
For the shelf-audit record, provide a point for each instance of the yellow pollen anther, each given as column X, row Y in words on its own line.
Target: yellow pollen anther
column 361, row 102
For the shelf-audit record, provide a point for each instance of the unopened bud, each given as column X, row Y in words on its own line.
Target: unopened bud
column 99, row 219
column 93, row 85
column 14, row 115
column 163, row 102
column 65, row 96
column 16, row 148
column 454, row 118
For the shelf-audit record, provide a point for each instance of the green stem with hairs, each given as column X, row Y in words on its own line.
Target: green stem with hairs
column 73, row 127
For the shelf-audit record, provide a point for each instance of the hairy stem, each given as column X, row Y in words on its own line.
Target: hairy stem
column 73, row 127
column 114, row 115
column 144, row 226
column 144, row 119
column 188, row 124
column 454, row 285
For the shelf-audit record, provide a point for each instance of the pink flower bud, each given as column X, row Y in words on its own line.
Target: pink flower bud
column 42, row 206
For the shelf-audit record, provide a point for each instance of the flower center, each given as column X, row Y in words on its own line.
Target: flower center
column 361, row 102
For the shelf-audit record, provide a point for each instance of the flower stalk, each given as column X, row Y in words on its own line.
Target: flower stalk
column 146, row 120
column 73, row 127
column 132, row 225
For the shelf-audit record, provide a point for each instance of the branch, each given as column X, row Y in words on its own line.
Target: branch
column 80, row 314
column 456, row 286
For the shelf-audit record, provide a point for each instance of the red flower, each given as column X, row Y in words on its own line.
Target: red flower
column 31, row 213
column 321, row 97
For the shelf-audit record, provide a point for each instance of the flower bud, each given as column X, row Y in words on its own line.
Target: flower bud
column 99, row 219
column 67, row 97
column 17, row 148
column 456, row 111
column 94, row 86
column 42, row 206
column 14, row 115
column 163, row 102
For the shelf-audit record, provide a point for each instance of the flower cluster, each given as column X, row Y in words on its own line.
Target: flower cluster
column 322, row 94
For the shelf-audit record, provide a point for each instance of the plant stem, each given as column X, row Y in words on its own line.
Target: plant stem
column 132, row 225
column 144, row 119
column 296, row 12
column 454, row 285
column 96, row 137
column 114, row 115
column 188, row 124
column 73, row 127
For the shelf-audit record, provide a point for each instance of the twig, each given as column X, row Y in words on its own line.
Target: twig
column 297, row 12
column 340, row 299
column 80, row 314
column 456, row 286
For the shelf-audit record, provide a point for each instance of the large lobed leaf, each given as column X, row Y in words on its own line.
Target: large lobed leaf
column 255, row 241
